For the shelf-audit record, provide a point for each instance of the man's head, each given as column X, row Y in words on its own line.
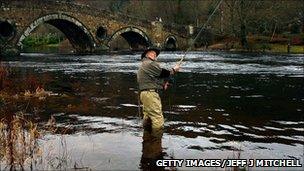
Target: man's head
column 151, row 53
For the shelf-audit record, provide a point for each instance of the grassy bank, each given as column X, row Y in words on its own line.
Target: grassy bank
column 277, row 43
column 262, row 47
column 278, row 48
column 50, row 43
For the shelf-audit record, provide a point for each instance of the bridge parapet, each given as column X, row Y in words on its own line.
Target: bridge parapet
column 88, row 29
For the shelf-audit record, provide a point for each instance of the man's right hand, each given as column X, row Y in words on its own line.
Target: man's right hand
column 176, row 67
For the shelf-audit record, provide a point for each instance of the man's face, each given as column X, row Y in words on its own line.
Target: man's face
column 151, row 54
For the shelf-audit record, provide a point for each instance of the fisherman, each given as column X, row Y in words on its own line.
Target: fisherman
column 151, row 78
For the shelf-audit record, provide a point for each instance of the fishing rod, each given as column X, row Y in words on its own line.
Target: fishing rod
column 189, row 48
column 201, row 30
column 197, row 36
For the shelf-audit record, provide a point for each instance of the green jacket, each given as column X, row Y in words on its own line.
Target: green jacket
column 150, row 75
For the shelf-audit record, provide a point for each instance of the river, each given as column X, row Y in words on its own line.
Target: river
column 221, row 105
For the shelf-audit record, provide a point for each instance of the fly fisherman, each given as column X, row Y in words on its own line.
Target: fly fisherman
column 150, row 77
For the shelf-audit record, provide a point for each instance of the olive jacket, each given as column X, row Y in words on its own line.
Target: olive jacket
column 150, row 75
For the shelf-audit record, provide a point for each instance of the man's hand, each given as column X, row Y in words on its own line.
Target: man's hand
column 176, row 67
column 166, row 85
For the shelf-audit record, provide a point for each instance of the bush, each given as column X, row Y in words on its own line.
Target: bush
column 279, row 39
column 265, row 46
column 32, row 41
column 297, row 40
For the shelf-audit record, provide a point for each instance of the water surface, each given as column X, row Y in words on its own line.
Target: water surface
column 220, row 105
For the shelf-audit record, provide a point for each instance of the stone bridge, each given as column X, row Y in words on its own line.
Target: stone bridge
column 88, row 29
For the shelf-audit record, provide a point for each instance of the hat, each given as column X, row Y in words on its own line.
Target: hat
column 153, row 48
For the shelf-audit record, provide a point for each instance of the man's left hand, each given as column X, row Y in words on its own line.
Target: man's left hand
column 166, row 85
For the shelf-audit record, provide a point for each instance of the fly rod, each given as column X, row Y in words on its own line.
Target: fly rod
column 201, row 30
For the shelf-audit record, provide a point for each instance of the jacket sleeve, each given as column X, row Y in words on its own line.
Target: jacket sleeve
column 158, row 71
column 154, row 69
column 164, row 73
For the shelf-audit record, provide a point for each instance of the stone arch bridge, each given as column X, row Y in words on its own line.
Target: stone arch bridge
column 88, row 29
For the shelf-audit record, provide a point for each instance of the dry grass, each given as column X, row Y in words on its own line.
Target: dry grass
column 3, row 76
column 20, row 147
column 21, row 139
column 19, row 143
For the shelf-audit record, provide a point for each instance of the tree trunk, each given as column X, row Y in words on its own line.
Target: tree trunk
column 243, row 31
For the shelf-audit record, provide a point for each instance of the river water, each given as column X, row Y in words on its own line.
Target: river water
column 221, row 105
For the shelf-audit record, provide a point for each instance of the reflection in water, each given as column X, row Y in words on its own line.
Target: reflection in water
column 19, row 147
column 151, row 149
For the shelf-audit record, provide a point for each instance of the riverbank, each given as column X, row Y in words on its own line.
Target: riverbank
column 283, row 43
column 260, row 44
column 271, row 49
column 265, row 48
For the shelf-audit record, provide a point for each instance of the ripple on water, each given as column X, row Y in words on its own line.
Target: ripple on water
column 129, row 105
column 288, row 122
column 274, row 128
column 207, row 133
column 184, row 106
column 219, row 110
column 240, row 126
column 108, row 123
column 227, row 127
column 221, row 63
column 235, row 97
column 258, row 128
column 255, row 96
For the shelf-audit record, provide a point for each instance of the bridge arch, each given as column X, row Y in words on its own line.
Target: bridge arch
column 7, row 30
column 170, row 43
column 78, row 35
column 136, row 38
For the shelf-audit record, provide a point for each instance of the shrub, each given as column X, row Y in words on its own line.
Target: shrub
column 32, row 41
column 297, row 40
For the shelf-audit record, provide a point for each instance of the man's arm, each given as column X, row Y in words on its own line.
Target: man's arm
column 164, row 73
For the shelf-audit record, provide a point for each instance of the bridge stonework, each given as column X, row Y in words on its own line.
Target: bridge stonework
column 88, row 29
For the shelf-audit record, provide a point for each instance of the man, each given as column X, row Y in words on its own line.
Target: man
column 150, row 78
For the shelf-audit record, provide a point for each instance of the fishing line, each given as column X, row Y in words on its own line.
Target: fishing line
column 183, row 57
column 198, row 34
column 189, row 48
column 139, row 105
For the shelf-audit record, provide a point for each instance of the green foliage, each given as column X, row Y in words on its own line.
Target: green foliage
column 32, row 41
column 264, row 46
column 295, row 28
